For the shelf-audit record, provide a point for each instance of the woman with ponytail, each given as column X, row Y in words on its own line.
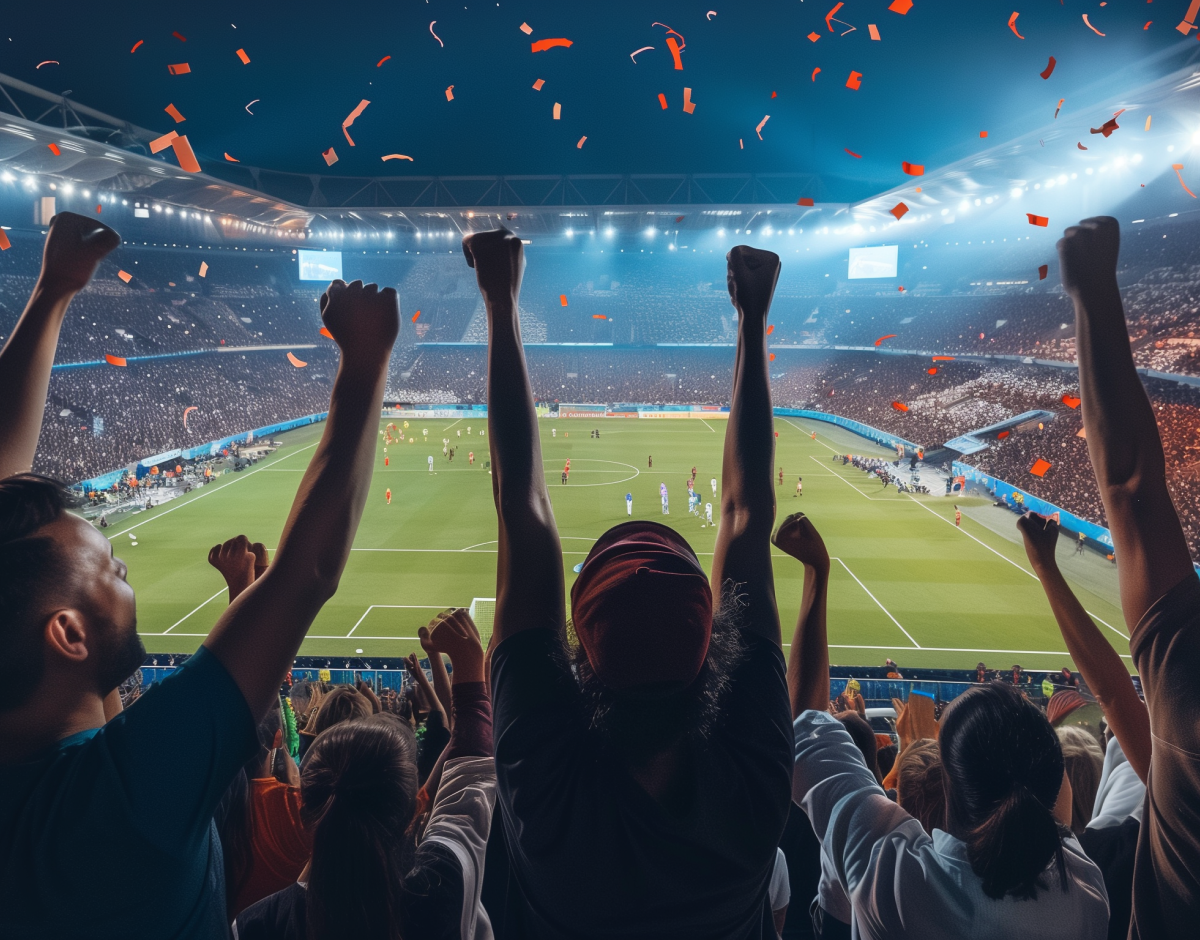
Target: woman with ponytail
column 1005, row 867
column 372, row 875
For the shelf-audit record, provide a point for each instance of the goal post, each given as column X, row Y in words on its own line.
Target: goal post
column 483, row 612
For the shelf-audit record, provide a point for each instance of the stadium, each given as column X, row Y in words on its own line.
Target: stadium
column 630, row 290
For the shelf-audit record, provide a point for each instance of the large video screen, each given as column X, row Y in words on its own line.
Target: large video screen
column 879, row 261
column 327, row 265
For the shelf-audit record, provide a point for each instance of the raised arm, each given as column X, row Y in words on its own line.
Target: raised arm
column 529, row 567
column 1122, row 435
column 743, row 550
column 74, row 246
column 260, row 632
column 808, row 666
column 441, row 679
column 1095, row 657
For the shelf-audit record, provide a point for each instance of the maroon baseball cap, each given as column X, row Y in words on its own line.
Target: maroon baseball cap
column 642, row 609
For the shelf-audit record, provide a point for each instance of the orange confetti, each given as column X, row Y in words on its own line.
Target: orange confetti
column 543, row 44
column 1040, row 467
column 135, row 46
column 381, row 61
column 874, row 31
column 1041, row 220
column 353, row 116
column 879, row 342
column 181, row 68
column 298, row 363
column 770, row 329
column 673, row 46
column 932, row 370
column 185, row 155
column 537, row 86
column 1049, row 69
column 1012, row 24
column 771, row 357
column 562, row 299
column 1107, row 127
column 899, row 210
column 662, row 100
column 179, row 37
column 175, row 115
column 1071, row 401
column 856, row 156
column 125, row 276
column 829, row 19
column 54, row 149
column 241, row 54
column 1147, row 26
column 232, row 159
column 688, row 105
column 901, row 6
column 1059, row 107
column 900, row 406
column 162, row 143
column 758, row 130
column 5, row 244
column 557, row 111
column 1088, row 24
column 1043, row 271
column 599, row 316
column 115, row 360
column 805, row 201
column 48, row 62
column 204, row 269
column 913, row 169
column 414, row 318
column 397, row 156
column 579, row 146
column 1189, row 19
column 324, row 331
column 1177, row 167
column 943, row 358
column 450, row 93
column 526, row 28
column 1148, row 116
column 814, row 36
column 330, row 157
column 854, row 81
column 816, row 71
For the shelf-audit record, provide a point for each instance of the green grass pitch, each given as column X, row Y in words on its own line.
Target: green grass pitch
column 905, row 582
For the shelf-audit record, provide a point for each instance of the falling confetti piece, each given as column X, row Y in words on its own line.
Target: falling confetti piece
column 983, row 134
column 913, row 169
column 932, row 370
column 900, row 406
column 353, row 116
column 204, row 269
column 662, row 100
column 54, row 149
column 829, row 19
column 5, row 244
column 181, row 68
column 599, row 316
column 397, row 156
column 232, row 159
column 1088, row 24
column 770, row 329
column 1012, row 24
column 579, row 146
column 1049, row 69
column 537, row 86
column 1043, row 270
column 874, row 31
column 741, row 145
column 943, row 358
column 185, row 155
column 672, row 32
column 813, row 36
column 901, row 6
column 450, row 93
column 758, row 130
column 774, row 95
column 557, row 111
column 1059, row 108
column 330, row 157
column 324, row 331
column 1071, row 401
column 241, row 54
column 186, row 412
column 175, row 115
column 899, row 210
column 255, row 101
column 562, row 299
column 879, row 342
column 543, row 44
column 1041, row 220
column 298, row 363
column 1080, row 145
column 636, row 51
column 918, row 189
column 1148, row 116
column 179, row 37
column 125, row 276
column 856, row 156
column 688, row 105
column 135, row 46
column 815, row 72
column 526, row 28
column 1147, row 26
column 711, row 14
column 1040, row 467
column 381, row 61
column 1107, row 127
column 673, row 46
column 1189, row 19
column 1177, row 167
column 771, row 357
column 115, row 361
column 435, row 35
column 98, row 208
column 805, row 201
column 414, row 318
column 854, row 81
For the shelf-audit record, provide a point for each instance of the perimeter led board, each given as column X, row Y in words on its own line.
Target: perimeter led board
column 879, row 261
column 325, row 265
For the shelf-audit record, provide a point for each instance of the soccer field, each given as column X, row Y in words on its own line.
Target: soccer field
column 905, row 582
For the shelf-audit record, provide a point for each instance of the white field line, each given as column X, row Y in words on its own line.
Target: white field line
column 393, row 607
column 844, row 480
column 876, row 600
column 209, row 490
column 709, row 426
column 1009, row 560
column 807, row 431
column 185, row 616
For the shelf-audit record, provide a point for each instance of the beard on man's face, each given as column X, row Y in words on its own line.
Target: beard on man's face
column 120, row 655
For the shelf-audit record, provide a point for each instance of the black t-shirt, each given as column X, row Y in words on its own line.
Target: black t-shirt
column 1166, row 875
column 593, row 855
column 432, row 909
column 1112, row 848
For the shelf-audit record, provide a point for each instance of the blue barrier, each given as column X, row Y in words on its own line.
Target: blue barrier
column 891, row 441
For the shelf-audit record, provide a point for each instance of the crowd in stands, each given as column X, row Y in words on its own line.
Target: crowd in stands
column 659, row 770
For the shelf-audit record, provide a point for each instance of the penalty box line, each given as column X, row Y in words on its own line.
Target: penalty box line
column 915, row 644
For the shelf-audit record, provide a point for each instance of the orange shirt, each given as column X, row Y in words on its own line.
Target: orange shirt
column 281, row 845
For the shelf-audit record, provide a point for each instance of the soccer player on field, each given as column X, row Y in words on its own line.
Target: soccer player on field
column 388, row 494
column 471, row 457
column 629, row 504
column 713, row 482
column 957, row 516
column 781, row 476
column 800, row 486
column 431, row 463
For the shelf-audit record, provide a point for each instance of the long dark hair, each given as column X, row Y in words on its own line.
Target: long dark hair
column 1003, row 768
column 359, row 795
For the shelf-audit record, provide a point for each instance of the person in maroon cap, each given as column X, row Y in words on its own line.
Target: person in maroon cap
column 644, row 772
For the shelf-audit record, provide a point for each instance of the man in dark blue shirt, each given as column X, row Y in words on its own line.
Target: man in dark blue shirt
column 106, row 828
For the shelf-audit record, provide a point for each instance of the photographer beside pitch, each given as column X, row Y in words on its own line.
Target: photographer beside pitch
column 105, row 828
